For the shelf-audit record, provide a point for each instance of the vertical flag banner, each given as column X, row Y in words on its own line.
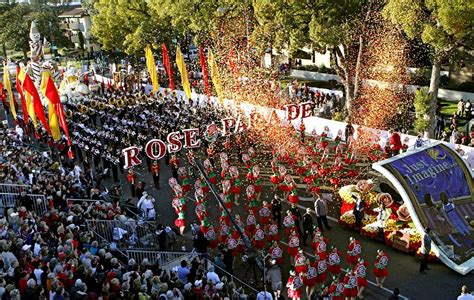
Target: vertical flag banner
column 28, row 103
column 29, row 87
column 151, row 67
column 51, row 92
column 53, row 118
column 205, row 75
column 167, row 64
column 184, row 73
column 8, row 86
column 215, row 75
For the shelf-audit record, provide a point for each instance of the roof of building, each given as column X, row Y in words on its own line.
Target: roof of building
column 74, row 13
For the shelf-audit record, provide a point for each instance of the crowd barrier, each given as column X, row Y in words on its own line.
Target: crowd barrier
column 166, row 260
column 170, row 261
column 14, row 188
column 10, row 200
column 124, row 234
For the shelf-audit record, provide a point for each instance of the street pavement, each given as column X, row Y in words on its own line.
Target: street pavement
column 440, row 283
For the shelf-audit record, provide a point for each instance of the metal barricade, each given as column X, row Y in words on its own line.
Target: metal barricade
column 40, row 203
column 10, row 200
column 6, row 188
column 163, row 259
column 125, row 234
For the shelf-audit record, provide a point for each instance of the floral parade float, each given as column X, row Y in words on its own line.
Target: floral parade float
column 383, row 218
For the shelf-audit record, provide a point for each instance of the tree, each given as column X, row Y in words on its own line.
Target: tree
column 130, row 25
column 444, row 25
column 282, row 25
column 422, row 110
column 342, row 28
column 15, row 22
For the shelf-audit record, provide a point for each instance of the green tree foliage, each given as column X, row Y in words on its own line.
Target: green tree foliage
column 282, row 24
column 130, row 25
column 444, row 25
column 15, row 21
column 422, row 110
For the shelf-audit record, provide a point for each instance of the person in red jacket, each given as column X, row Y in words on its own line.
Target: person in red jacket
column 132, row 179
column 395, row 142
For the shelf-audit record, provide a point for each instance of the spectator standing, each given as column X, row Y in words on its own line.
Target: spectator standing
column 425, row 250
column 274, row 277
column 264, row 295
column 276, row 209
column 183, row 272
column 307, row 226
column 321, row 213
column 460, row 111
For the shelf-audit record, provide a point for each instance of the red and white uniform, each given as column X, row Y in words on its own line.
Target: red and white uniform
column 353, row 252
column 223, row 233
column 293, row 244
column 289, row 224
column 361, row 272
column 294, row 285
column 336, row 290
column 380, row 265
column 272, row 234
column 350, row 285
column 311, row 276
column 276, row 253
column 321, row 246
column 265, row 214
column 250, row 224
column 212, row 237
column 321, row 266
column 334, row 261
column 259, row 238
column 300, row 263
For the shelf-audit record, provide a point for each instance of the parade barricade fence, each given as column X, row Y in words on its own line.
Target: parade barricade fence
column 170, row 261
column 125, row 234
column 10, row 200
column 166, row 260
column 6, row 188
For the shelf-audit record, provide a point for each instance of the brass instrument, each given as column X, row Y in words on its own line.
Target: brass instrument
column 112, row 101
column 102, row 106
column 83, row 109
column 120, row 102
column 68, row 114
column 94, row 103
column 130, row 101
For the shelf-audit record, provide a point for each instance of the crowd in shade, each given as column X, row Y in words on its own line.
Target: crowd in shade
column 53, row 256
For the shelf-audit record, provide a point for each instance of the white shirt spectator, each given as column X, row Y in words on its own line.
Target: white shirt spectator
column 212, row 276
column 264, row 296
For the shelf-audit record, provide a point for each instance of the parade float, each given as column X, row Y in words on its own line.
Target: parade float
column 392, row 225
column 427, row 187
